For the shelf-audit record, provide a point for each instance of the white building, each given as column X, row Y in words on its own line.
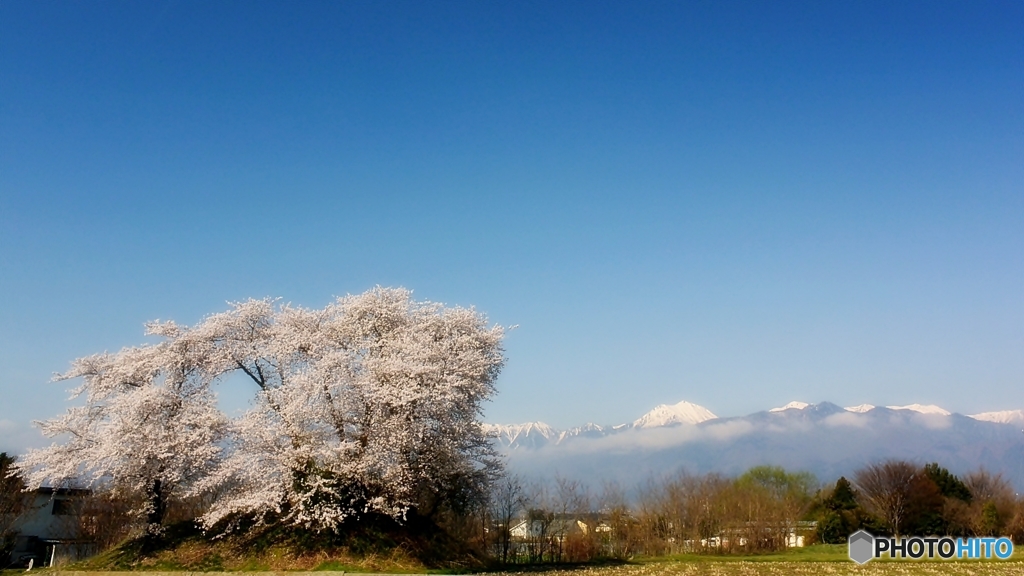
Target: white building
column 47, row 530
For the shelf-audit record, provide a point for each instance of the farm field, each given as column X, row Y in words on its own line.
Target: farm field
column 752, row 568
column 686, row 568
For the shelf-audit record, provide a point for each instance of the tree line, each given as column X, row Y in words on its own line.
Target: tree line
column 765, row 509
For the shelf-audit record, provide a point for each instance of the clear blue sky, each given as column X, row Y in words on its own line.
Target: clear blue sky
column 737, row 204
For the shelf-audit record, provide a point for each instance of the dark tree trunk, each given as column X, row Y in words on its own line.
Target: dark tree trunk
column 152, row 541
column 157, row 506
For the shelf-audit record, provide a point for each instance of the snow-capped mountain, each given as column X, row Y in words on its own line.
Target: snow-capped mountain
column 922, row 408
column 531, row 434
column 589, row 429
column 681, row 413
column 1002, row 417
column 538, row 434
column 862, row 408
column 822, row 438
column 791, row 406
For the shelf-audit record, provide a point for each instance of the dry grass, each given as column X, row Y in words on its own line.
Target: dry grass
column 207, row 557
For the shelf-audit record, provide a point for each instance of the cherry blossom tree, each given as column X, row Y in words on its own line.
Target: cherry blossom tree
column 369, row 405
column 149, row 428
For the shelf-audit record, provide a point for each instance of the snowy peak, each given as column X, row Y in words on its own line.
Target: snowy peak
column 589, row 430
column 922, row 408
column 822, row 438
column 533, row 434
column 682, row 416
column 791, row 406
column 538, row 434
column 1001, row 417
column 681, row 413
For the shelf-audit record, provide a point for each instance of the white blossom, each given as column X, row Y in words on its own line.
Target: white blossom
column 371, row 404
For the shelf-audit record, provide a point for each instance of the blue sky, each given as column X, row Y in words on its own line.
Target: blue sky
column 737, row 204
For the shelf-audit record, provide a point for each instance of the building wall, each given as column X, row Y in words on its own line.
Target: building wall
column 47, row 530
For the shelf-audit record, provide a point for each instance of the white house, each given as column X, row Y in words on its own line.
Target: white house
column 47, row 530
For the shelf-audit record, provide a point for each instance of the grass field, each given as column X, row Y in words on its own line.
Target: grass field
column 820, row 560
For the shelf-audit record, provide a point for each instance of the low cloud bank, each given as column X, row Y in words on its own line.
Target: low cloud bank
column 828, row 445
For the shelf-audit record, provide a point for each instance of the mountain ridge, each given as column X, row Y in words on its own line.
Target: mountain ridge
column 824, row 438
column 688, row 413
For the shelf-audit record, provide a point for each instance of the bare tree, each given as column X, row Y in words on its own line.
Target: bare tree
column 536, row 539
column 571, row 535
column 885, row 488
column 984, row 485
column 105, row 520
column 619, row 533
column 506, row 504
column 993, row 502
column 650, row 521
column 685, row 513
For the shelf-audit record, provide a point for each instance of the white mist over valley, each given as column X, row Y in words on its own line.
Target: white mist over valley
column 824, row 438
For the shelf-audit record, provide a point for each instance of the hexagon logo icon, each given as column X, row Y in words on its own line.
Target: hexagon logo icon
column 861, row 546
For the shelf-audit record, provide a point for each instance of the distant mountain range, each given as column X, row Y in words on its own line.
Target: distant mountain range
column 823, row 438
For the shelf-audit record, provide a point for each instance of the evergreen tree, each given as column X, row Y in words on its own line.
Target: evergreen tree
column 949, row 484
column 841, row 515
column 843, row 497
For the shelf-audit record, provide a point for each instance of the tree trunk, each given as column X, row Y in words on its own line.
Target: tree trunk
column 157, row 508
